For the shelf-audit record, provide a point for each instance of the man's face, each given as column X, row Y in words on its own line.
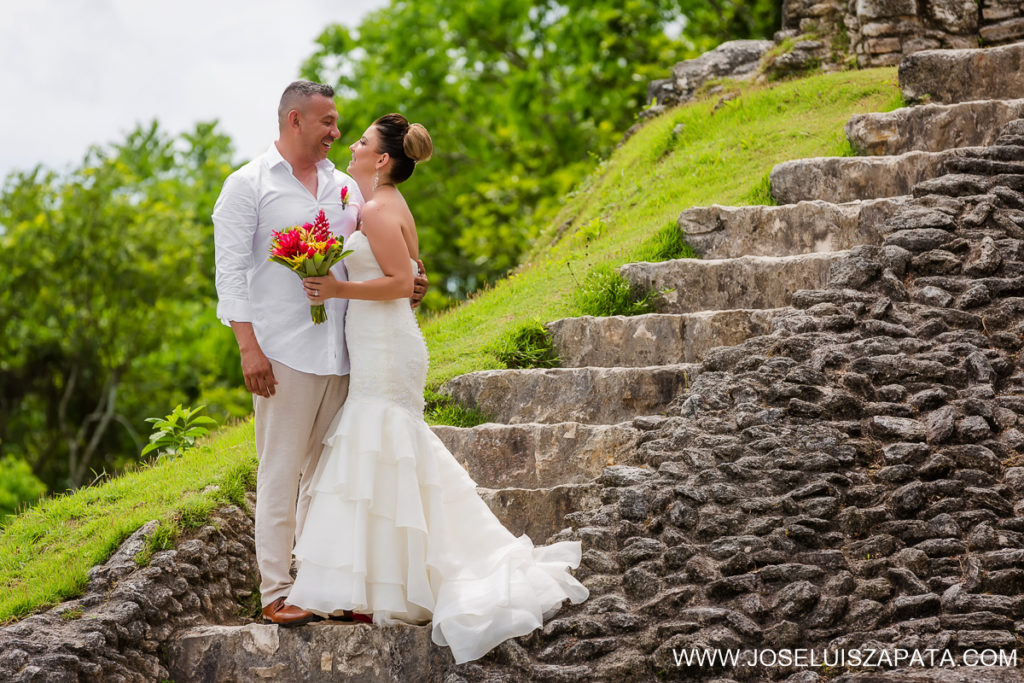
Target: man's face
column 318, row 126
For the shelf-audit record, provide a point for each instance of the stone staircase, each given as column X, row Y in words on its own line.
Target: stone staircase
column 556, row 430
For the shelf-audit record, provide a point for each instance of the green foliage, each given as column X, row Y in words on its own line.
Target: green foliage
column 709, row 24
column 18, row 486
column 442, row 409
column 520, row 96
column 761, row 194
column 665, row 245
column 604, row 292
column 527, row 345
column 106, row 292
column 177, row 431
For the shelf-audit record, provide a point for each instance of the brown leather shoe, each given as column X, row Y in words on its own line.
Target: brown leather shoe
column 281, row 614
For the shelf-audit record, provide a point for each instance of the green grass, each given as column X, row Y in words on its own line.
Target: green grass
column 444, row 410
column 46, row 551
column 686, row 157
column 604, row 292
column 624, row 211
column 527, row 346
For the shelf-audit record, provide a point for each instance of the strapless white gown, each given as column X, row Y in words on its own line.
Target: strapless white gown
column 395, row 527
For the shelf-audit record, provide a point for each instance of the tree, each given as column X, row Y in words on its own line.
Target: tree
column 96, row 269
column 519, row 96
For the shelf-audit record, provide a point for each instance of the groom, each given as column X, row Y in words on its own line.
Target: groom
column 296, row 371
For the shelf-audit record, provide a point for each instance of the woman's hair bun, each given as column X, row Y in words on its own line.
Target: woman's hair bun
column 417, row 143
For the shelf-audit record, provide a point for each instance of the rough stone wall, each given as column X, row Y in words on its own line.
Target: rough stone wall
column 881, row 32
column 117, row 629
column 835, row 33
column 855, row 479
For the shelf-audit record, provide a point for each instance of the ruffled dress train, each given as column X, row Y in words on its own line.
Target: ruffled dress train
column 395, row 526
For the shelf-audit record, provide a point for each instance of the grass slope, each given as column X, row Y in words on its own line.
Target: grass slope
column 46, row 552
column 695, row 155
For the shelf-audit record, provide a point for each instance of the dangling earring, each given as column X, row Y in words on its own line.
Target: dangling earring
column 376, row 180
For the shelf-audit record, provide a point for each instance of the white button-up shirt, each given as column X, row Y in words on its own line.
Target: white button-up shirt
column 257, row 199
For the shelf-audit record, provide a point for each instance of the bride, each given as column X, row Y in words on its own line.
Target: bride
column 395, row 528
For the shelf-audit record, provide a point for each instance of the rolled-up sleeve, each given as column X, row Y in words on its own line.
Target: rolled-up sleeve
column 235, row 219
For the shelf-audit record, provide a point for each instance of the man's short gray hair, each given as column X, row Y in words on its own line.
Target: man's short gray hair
column 297, row 92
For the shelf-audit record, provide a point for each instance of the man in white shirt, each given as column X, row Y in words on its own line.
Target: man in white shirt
column 296, row 371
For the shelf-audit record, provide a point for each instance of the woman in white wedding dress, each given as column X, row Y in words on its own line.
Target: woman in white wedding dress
column 395, row 527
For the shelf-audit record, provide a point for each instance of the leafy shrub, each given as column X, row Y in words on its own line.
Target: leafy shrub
column 178, row 431
column 527, row 346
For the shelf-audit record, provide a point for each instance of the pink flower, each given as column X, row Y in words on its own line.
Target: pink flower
column 344, row 197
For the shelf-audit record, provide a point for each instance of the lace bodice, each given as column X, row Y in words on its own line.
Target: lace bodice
column 387, row 351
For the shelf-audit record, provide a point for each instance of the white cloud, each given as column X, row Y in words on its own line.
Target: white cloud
column 83, row 72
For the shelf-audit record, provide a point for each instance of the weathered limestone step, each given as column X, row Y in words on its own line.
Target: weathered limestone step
column 324, row 651
column 537, row 455
column 719, row 232
column 639, row 340
column 540, row 513
column 845, row 179
column 588, row 395
column 726, row 284
column 931, row 127
column 963, row 75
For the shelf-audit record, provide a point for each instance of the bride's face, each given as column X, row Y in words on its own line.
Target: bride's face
column 364, row 155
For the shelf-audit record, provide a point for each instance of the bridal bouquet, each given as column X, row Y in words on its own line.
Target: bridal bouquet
column 309, row 250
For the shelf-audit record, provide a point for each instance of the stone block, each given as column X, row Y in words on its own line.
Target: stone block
column 636, row 341
column 877, row 29
column 954, row 16
column 691, row 285
column 805, row 227
column 949, row 76
column 931, row 127
column 883, row 45
column 540, row 513
column 880, row 9
column 318, row 652
column 588, row 395
column 846, row 179
column 537, row 455
column 1003, row 32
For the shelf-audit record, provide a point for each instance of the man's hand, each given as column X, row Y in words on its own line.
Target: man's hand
column 419, row 285
column 256, row 368
column 258, row 373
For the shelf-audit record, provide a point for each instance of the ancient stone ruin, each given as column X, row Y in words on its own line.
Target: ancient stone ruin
column 818, row 442
column 833, row 34
column 882, row 32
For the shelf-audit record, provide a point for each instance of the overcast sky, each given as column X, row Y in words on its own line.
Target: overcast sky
column 79, row 72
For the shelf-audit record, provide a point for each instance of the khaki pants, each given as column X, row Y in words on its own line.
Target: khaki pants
column 290, row 429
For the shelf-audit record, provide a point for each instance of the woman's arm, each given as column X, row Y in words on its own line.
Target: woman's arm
column 384, row 234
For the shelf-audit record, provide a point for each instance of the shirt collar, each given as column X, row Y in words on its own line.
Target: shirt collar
column 274, row 158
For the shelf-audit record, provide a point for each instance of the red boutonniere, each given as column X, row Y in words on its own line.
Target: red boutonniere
column 344, row 198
